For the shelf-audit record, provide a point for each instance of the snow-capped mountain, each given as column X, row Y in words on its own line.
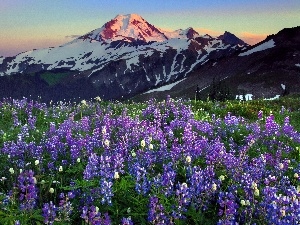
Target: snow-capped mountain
column 126, row 56
column 261, row 70
column 131, row 27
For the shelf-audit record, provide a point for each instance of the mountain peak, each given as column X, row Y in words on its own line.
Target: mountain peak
column 231, row 39
column 130, row 17
column 129, row 27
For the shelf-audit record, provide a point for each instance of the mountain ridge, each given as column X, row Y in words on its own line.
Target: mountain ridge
column 134, row 58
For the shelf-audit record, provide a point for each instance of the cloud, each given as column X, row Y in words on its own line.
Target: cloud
column 252, row 38
column 73, row 36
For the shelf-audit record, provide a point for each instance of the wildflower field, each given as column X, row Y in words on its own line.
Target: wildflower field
column 170, row 162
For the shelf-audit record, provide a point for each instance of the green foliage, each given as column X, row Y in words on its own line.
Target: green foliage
column 280, row 108
column 53, row 78
column 125, row 201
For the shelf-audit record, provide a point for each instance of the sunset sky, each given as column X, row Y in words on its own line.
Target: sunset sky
column 33, row 24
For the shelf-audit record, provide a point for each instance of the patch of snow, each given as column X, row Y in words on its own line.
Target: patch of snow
column 158, row 80
column 283, row 86
column 165, row 87
column 204, row 62
column 195, row 63
column 1, row 59
column 164, row 71
column 224, row 78
column 148, row 79
column 248, row 97
column 132, row 61
column 215, row 63
column 262, row 47
column 177, row 34
column 298, row 65
column 274, row 98
column 64, row 66
column 206, row 36
column 173, row 67
column 181, row 66
column 204, row 88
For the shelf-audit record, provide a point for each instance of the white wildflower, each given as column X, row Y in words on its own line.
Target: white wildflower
column 188, row 159
column 282, row 211
column 11, row 170
column 281, row 166
column 106, row 143
column 51, row 190
column 98, row 99
column 60, row 169
column 254, row 185
column 243, row 202
column 36, row 162
column 133, row 154
column 151, row 146
column 116, row 175
column 222, row 177
column 214, row 187
column 78, row 160
column 143, row 143
column 184, row 185
column 256, row 192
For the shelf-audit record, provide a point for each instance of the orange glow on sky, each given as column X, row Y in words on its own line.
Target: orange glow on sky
column 31, row 24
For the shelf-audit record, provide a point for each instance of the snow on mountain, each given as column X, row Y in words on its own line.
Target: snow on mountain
column 130, row 27
column 298, row 65
column 261, row 47
column 1, row 59
column 188, row 33
column 165, row 87
column 127, row 55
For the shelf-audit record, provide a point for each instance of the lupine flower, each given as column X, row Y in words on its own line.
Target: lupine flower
column 28, row 190
column 49, row 213
column 126, row 221
column 156, row 213
column 65, row 208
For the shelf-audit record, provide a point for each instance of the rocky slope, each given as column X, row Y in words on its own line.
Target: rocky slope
column 261, row 70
